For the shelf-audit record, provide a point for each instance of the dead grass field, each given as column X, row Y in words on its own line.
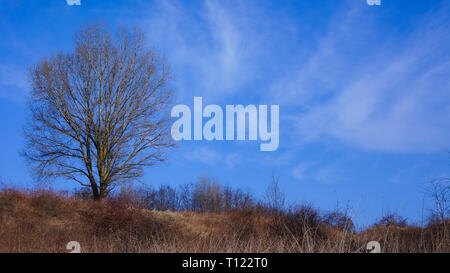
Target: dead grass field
column 45, row 221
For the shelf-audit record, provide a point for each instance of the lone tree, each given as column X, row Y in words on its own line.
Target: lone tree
column 98, row 114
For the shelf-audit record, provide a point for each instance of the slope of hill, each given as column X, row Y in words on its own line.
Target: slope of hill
column 45, row 221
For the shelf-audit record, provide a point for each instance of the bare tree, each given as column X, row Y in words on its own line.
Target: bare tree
column 207, row 195
column 275, row 197
column 439, row 192
column 98, row 114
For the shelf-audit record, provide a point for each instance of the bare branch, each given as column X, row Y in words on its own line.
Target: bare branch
column 99, row 113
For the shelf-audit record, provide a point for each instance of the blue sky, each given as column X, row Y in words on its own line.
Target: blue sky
column 364, row 91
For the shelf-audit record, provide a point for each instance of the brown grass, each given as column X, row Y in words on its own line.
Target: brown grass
column 45, row 221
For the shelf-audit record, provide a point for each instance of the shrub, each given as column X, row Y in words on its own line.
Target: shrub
column 392, row 219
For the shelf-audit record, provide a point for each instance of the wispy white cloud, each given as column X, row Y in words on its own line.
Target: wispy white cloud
column 299, row 171
column 204, row 155
column 394, row 96
column 215, row 46
column 324, row 173
column 13, row 83
column 213, row 157
column 277, row 159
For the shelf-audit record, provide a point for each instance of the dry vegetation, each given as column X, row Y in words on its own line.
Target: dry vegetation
column 199, row 218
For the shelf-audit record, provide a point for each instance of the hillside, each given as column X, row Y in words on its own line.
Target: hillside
column 45, row 221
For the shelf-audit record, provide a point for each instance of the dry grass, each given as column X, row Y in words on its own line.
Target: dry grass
column 44, row 221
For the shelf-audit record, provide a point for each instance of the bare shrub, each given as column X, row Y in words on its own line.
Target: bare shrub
column 163, row 198
column 275, row 197
column 339, row 220
column 439, row 192
column 392, row 219
column 236, row 199
column 207, row 196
